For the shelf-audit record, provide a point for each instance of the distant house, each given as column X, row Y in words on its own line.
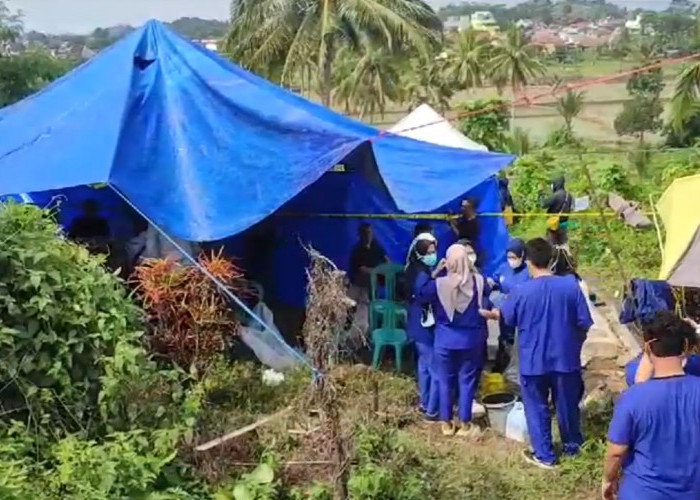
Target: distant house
column 525, row 24
column 456, row 23
column 634, row 26
column 483, row 20
column 547, row 40
column 212, row 45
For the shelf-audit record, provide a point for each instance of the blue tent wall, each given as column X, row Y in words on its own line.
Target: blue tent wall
column 336, row 236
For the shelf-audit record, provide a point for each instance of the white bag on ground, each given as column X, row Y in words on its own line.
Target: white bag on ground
column 516, row 425
column 268, row 347
column 512, row 372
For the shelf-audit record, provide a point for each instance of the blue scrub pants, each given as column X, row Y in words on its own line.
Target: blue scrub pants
column 427, row 381
column 458, row 372
column 566, row 390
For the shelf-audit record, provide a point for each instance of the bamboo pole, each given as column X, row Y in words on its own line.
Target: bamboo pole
column 604, row 221
column 656, row 226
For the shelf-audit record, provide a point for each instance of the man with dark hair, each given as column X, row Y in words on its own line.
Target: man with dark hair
column 654, row 435
column 366, row 255
column 90, row 224
column 466, row 227
column 422, row 227
column 552, row 318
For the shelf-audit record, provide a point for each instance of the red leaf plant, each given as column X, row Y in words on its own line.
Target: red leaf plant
column 190, row 319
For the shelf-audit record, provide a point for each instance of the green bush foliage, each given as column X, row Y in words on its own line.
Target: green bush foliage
column 487, row 128
column 61, row 317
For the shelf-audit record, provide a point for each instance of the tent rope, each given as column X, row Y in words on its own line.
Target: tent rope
column 221, row 286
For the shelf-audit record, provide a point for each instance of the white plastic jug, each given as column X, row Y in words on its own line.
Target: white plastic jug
column 516, row 425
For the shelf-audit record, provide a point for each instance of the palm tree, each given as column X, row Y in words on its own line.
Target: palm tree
column 569, row 106
column 468, row 59
column 425, row 82
column 373, row 82
column 288, row 33
column 685, row 102
column 515, row 61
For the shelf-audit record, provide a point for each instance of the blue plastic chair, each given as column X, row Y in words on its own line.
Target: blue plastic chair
column 379, row 305
column 388, row 335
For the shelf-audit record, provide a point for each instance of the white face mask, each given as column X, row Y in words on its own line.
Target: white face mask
column 515, row 263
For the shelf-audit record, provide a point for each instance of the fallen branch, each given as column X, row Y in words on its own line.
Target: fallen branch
column 243, row 430
column 287, row 464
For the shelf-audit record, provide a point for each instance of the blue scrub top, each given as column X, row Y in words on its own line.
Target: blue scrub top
column 552, row 318
column 467, row 330
column 507, row 278
column 692, row 367
column 659, row 421
column 417, row 332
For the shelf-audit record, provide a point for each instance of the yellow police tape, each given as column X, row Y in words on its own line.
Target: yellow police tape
column 451, row 216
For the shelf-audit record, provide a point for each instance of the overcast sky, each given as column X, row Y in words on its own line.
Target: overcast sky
column 83, row 16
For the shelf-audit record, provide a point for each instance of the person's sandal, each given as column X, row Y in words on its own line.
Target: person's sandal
column 447, row 429
column 468, row 430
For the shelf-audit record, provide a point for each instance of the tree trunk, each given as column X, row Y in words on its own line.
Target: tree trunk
column 327, row 72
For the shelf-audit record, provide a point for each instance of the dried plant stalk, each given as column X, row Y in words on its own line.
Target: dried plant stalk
column 326, row 316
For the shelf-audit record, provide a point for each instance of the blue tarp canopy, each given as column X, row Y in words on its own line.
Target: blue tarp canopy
column 206, row 149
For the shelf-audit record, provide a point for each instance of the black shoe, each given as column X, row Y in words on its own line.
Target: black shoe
column 530, row 458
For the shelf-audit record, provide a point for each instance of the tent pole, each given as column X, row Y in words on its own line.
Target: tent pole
column 221, row 286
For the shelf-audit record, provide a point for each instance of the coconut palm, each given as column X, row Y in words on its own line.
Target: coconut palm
column 569, row 107
column 514, row 60
column 468, row 58
column 425, row 82
column 372, row 84
column 685, row 102
column 290, row 32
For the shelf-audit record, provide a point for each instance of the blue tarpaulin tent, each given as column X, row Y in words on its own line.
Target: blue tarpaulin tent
column 206, row 150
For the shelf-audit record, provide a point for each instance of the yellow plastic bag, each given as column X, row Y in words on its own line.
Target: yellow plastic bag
column 492, row 383
column 553, row 223
column 508, row 215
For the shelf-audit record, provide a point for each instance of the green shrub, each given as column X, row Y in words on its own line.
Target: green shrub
column 61, row 316
column 677, row 169
column 531, row 175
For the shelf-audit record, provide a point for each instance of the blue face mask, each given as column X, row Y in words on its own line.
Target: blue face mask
column 429, row 260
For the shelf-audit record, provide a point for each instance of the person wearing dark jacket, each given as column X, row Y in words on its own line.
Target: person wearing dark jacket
column 504, row 194
column 560, row 202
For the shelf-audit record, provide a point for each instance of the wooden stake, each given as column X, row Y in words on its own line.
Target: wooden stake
column 243, row 430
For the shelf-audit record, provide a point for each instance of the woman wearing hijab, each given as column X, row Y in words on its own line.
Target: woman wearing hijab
column 460, row 334
column 421, row 231
column 421, row 261
column 509, row 276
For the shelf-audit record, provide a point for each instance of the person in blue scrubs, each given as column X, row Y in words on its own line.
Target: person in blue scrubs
column 553, row 319
column 421, row 262
column 510, row 275
column 460, row 334
column 633, row 374
column 640, row 369
column 654, row 435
